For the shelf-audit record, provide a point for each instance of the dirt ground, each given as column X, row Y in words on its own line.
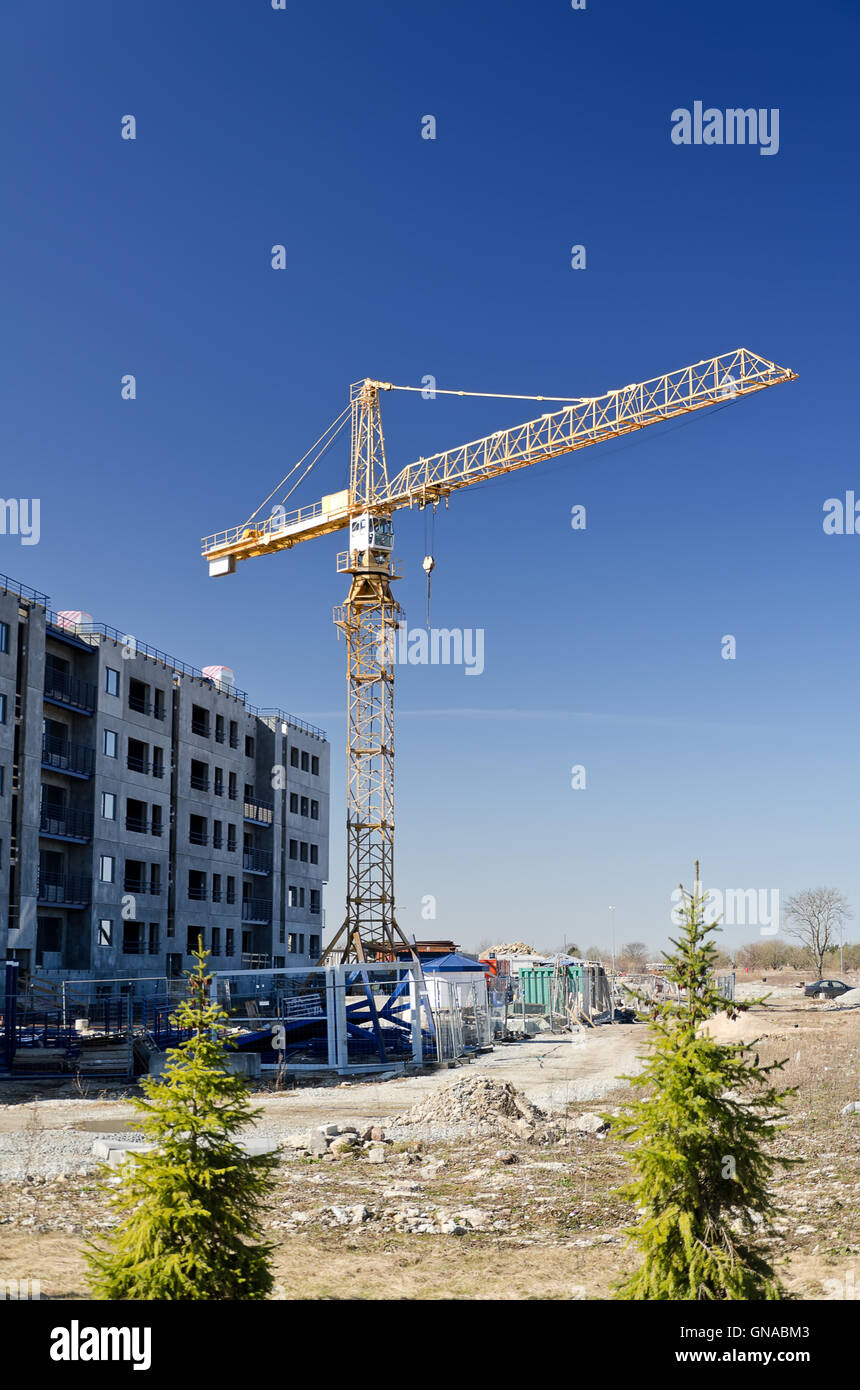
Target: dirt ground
column 476, row 1215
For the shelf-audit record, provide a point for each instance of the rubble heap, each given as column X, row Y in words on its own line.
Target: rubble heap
column 476, row 1102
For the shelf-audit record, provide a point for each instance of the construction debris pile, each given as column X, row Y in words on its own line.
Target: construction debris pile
column 480, row 1105
column 850, row 1000
column 512, row 948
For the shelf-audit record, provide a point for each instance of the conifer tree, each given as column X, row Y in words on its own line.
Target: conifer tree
column 192, row 1205
column 698, row 1135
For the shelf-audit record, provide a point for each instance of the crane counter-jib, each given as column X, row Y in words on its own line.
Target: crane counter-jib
column 273, row 534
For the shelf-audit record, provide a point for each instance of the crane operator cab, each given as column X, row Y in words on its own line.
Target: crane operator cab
column 371, row 537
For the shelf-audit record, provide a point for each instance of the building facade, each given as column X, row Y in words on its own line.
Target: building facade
column 145, row 805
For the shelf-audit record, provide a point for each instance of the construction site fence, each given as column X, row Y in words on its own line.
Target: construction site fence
column 652, row 986
column 359, row 1016
column 353, row 1017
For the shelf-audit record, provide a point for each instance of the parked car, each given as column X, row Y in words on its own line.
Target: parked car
column 825, row 989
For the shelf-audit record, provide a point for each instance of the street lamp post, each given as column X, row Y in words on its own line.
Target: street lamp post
column 612, row 986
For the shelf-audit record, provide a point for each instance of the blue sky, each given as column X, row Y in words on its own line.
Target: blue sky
column 451, row 257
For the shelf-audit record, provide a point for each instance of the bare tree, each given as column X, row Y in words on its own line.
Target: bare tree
column 636, row 954
column 816, row 916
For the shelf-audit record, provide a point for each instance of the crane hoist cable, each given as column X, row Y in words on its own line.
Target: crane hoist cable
column 429, row 564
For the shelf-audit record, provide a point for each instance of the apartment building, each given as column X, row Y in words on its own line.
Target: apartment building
column 145, row 804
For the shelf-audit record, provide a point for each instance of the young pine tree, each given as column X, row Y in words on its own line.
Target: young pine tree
column 698, row 1139
column 192, row 1229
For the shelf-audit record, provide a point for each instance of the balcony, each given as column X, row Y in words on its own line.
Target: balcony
column 140, row 885
column 257, row 861
column 198, row 837
column 70, row 692
column 200, row 727
column 63, row 890
column 199, row 782
column 135, row 763
column 260, row 812
column 197, row 892
column 140, row 704
column 65, row 824
column 61, row 755
column 256, row 911
column 234, row 740
column 139, row 825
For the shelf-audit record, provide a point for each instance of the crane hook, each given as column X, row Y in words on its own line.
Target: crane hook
column 428, row 566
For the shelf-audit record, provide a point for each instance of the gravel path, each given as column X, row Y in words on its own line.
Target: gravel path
column 44, row 1139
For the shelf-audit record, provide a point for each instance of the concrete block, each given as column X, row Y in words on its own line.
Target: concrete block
column 239, row 1063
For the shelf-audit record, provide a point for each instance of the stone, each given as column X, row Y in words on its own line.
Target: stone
column 376, row 1154
column 377, row 1133
column 342, row 1144
column 329, row 1130
column 472, row 1217
column 852, row 1108
column 589, row 1123
column 255, row 1148
column 452, row 1228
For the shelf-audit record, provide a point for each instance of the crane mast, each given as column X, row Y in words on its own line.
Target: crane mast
column 369, row 618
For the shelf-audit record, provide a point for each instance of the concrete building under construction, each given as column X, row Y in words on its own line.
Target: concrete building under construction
column 145, row 803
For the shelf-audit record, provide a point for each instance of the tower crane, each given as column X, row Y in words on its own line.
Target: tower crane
column 369, row 617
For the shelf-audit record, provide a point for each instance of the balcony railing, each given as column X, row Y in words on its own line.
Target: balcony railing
column 201, row 727
column 64, row 890
column 198, row 837
column 197, row 892
column 199, row 782
column 141, row 885
column 71, row 691
column 139, row 825
column 61, row 755
column 256, row 911
column 135, row 763
column 66, row 824
column 157, row 769
column 260, row 812
column 257, row 861
column 140, row 704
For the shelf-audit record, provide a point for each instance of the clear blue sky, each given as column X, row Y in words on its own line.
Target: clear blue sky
column 451, row 257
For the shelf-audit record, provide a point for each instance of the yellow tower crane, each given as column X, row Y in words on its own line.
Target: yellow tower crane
column 369, row 617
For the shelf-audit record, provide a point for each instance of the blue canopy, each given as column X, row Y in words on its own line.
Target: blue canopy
column 453, row 962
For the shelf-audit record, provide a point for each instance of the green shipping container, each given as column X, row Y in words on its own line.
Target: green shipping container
column 536, row 983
